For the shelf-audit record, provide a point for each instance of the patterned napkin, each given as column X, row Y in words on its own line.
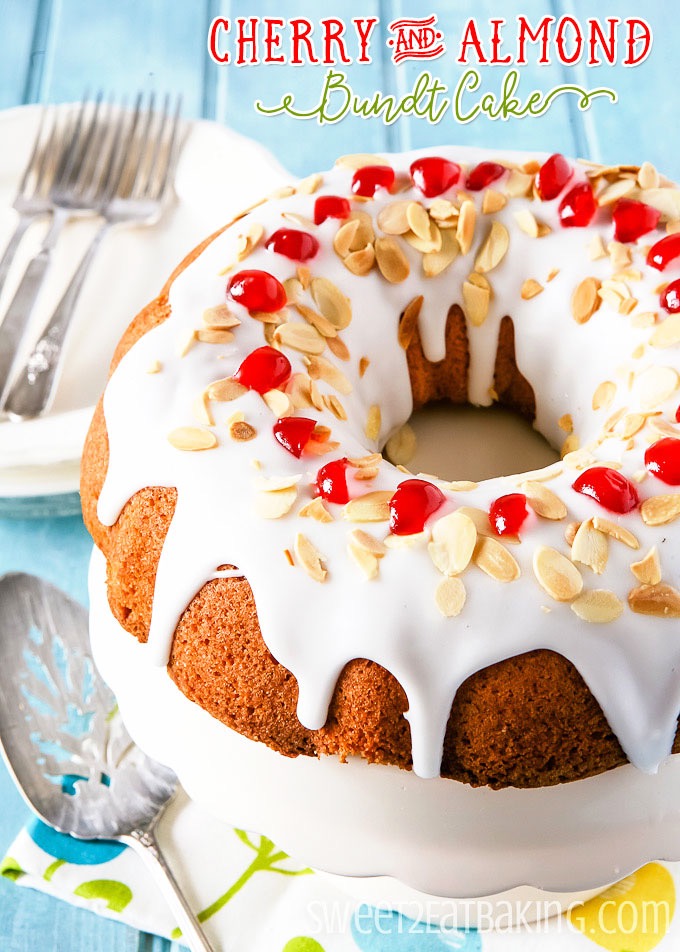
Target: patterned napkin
column 254, row 897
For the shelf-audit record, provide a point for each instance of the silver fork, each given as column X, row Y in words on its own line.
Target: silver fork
column 136, row 193
column 32, row 198
column 75, row 190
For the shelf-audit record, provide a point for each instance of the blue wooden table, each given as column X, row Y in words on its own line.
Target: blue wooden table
column 53, row 50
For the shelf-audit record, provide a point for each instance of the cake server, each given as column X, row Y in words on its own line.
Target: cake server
column 64, row 741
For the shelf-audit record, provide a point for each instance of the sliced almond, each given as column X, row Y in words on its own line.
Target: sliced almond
column 331, row 302
column 154, row 367
column 665, row 200
column 585, row 300
column 656, row 385
column 476, row 299
column 465, row 230
column 543, row 501
column 612, row 193
column 660, row 510
column 401, row 446
column 220, row 317
column 322, row 369
column 201, row 409
column 527, row 223
column 604, row 395
column 242, row 432
column 453, row 541
column 359, row 160
column 321, row 323
column 392, row 261
column 275, row 505
column 661, row 601
column 425, row 245
column 338, row 348
column 648, row 177
column 590, row 547
column 596, row 248
column 436, row 262
column 616, row 531
column 371, row 507
column 367, row 561
column 364, row 363
column 360, row 262
column 666, row 334
column 392, row 218
column 409, row 321
column 492, row 557
column 373, row 422
column 598, row 606
column 301, row 337
column 530, row 289
column 309, row 185
column 493, row 201
column 186, row 342
column 365, row 233
column 418, row 220
column 316, row 509
column 493, row 249
column 519, row 184
column 566, row 423
column 310, row 558
column 450, row 597
column 412, row 541
column 345, row 235
column 368, row 542
column 279, row 403
column 192, row 439
column 648, row 569
column 556, row 574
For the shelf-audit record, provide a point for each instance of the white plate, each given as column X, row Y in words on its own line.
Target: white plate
column 219, row 173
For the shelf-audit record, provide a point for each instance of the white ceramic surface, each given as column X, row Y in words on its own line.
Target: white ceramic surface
column 437, row 836
column 219, row 173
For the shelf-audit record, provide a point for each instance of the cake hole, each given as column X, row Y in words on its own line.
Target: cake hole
column 465, row 442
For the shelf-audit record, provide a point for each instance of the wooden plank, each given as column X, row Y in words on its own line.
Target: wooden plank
column 301, row 145
column 20, row 48
column 126, row 46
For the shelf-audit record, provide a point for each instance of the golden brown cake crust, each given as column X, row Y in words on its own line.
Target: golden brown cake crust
column 527, row 721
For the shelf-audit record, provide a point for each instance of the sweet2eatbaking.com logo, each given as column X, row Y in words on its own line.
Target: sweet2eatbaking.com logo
column 334, row 43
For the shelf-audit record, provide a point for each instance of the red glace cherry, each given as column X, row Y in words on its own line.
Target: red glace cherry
column 368, row 180
column 670, row 297
column 552, row 176
column 677, row 415
column 664, row 251
column 330, row 206
column 331, row 481
column 291, row 243
column 633, row 219
column 663, row 460
column 608, row 487
column 264, row 369
column 257, row 290
column 434, row 175
column 294, row 433
column 577, row 208
column 483, row 174
column 507, row 513
column 414, row 501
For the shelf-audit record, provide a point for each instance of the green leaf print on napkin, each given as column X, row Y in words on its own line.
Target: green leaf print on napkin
column 266, row 856
column 10, row 869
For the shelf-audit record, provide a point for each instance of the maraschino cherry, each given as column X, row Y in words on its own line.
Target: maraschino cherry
column 552, row 176
column 257, row 290
column 330, row 206
column 663, row 460
column 483, row 175
column 294, row 433
column 507, row 513
column 664, row 251
column 670, row 297
column 633, row 219
column 331, row 481
column 577, row 208
column 433, row 175
column 367, row 180
column 292, row 243
column 608, row 487
column 263, row 369
column 414, row 501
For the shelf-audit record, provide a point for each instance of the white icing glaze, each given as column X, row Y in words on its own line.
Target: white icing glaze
column 630, row 664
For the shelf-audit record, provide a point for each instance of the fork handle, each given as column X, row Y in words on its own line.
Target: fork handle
column 33, row 387
column 145, row 843
column 15, row 321
column 12, row 245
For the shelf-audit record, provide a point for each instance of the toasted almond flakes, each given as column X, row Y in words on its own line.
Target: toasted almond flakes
column 322, row 369
column 493, row 201
column 371, row 507
column 570, row 532
column 331, row 302
column 366, row 561
column 360, row 262
column 373, row 422
column 418, row 220
column 309, row 185
column 598, row 606
column 465, row 229
column 613, row 529
column 321, row 323
column 338, row 348
column 392, row 261
column 185, row 343
column 392, row 218
column 519, row 184
column 566, row 423
column 309, row 558
column 220, row 317
column 364, row 363
column 543, row 501
column 316, row 509
column 527, row 223
column 242, row 432
column 660, row 510
column 453, row 541
column 154, row 367
column 409, row 321
column 530, row 289
column 401, row 446
column 406, row 541
column 666, row 334
column 604, row 395
column 192, row 439
column 648, row 177
column 214, row 335
column 344, row 237
column 585, row 300
column 301, row 337
column 661, row 601
column 278, row 402
column 201, row 409
column 656, row 385
column 590, row 547
column 648, row 569
column 556, row 574
column 493, row 249
column 359, row 160
column 493, row 558
column 450, row 597
column 436, row 262
column 476, row 299
column 596, row 248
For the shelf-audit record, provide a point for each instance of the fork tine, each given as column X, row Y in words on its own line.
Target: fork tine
column 152, row 161
column 171, row 154
column 82, row 136
column 35, row 152
column 141, row 171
